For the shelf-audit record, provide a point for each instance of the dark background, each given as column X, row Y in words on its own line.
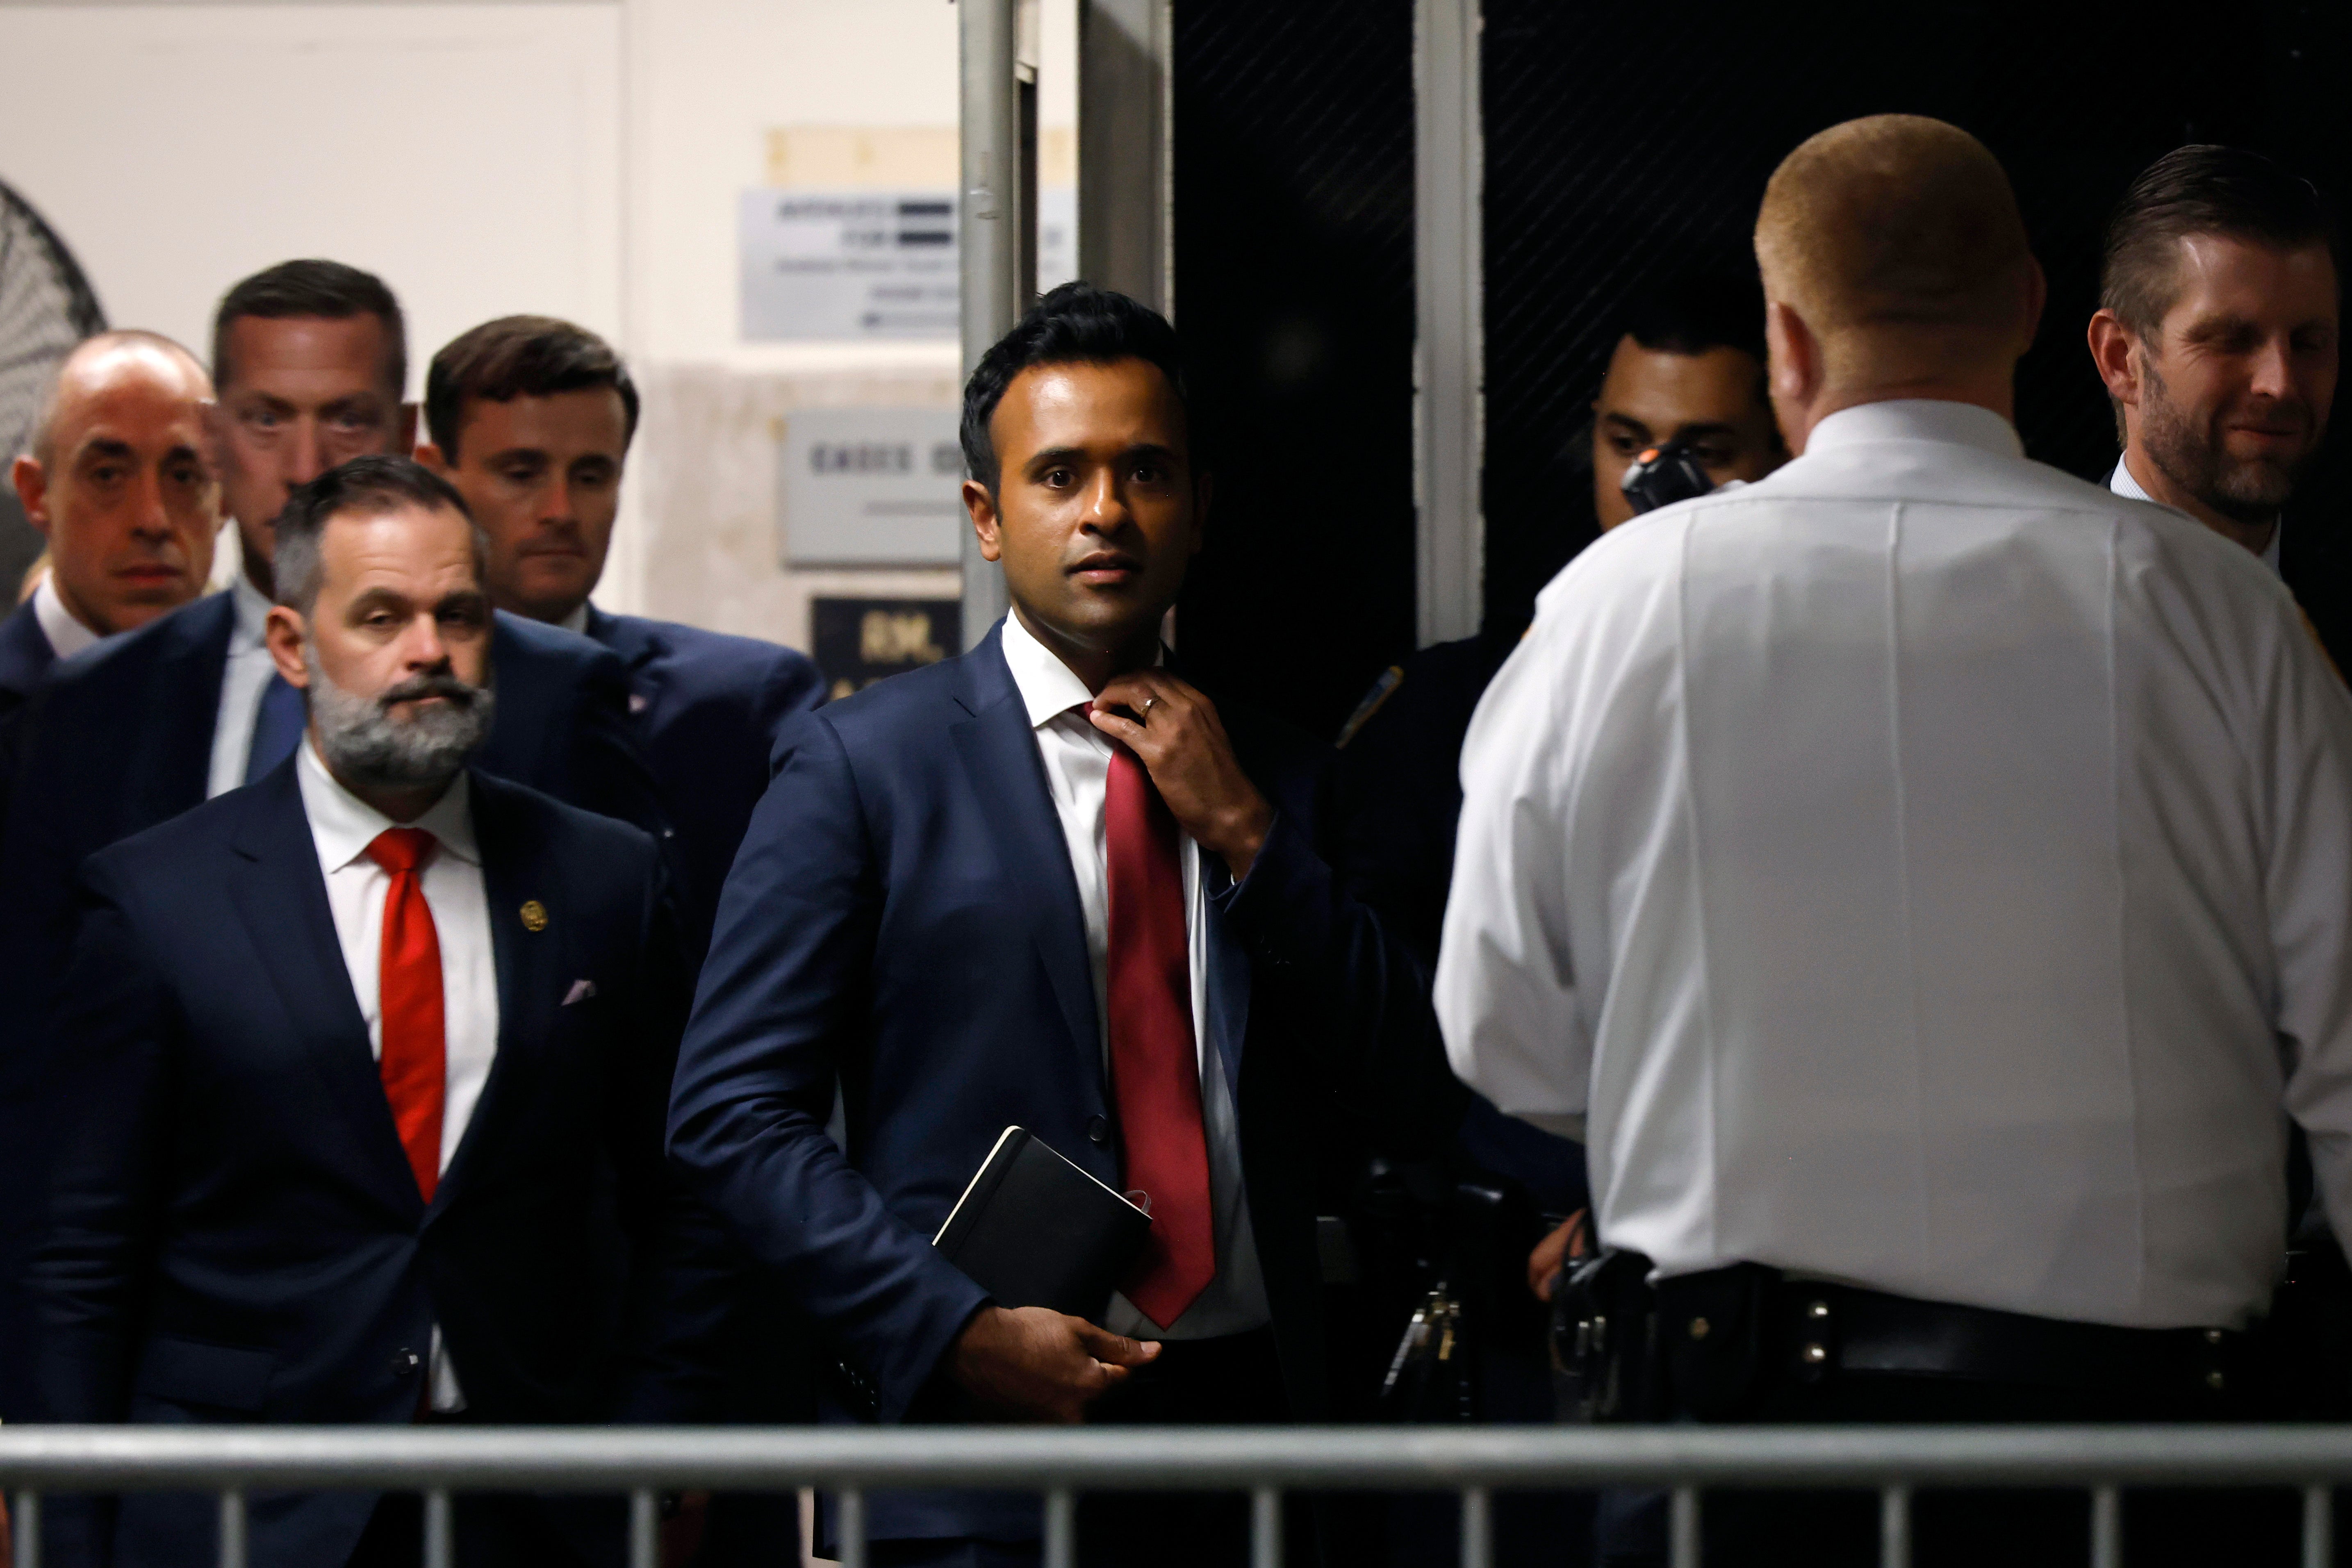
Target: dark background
column 1294, row 293
column 1622, row 144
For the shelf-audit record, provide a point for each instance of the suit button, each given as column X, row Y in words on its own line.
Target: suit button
column 1098, row 1132
column 405, row 1363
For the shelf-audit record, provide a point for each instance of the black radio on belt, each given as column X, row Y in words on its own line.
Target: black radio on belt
column 1662, row 476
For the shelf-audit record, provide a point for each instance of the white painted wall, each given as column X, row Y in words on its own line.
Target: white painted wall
column 713, row 78
column 581, row 158
column 470, row 154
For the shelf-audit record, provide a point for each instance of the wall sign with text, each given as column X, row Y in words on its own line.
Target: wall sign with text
column 870, row 487
column 847, row 264
column 861, row 641
column 828, row 264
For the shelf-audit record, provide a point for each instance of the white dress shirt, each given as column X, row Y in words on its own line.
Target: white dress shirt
column 67, row 634
column 248, row 671
column 343, row 825
column 2123, row 484
column 1077, row 770
column 1924, row 870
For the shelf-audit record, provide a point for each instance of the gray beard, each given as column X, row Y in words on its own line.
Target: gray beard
column 2246, row 491
column 363, row 743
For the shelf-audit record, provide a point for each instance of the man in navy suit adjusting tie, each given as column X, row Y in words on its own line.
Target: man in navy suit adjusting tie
column 309, row 359
column 1050, row 883
column 118, row 481
column 532, row 419
column 360, row 1076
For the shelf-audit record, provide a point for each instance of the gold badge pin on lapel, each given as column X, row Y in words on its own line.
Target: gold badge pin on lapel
column 534, row 915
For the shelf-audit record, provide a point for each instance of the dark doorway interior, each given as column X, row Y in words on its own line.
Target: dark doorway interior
column 1617, row 146
column 1294, row 292
column 1620, row 144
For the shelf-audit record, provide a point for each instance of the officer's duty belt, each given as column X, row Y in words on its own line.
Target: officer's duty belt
column 1761, row 1323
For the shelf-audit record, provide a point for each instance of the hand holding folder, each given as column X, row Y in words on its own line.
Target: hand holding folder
column 1034, row 1230
column 1050, row 1244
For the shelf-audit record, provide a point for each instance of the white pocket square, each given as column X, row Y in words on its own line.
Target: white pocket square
column 581, row 991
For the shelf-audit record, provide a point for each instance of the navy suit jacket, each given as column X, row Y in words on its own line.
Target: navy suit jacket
column 903, row 918
column 232, row 1232
column 25, row 659
column 26, row 656
column 119, row 738
column 709, row 711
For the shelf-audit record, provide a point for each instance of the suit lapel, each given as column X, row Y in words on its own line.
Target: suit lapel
column 1000, row 756
column 639, row 647
column 281, row 897
column 529, row 970
column 183, row 712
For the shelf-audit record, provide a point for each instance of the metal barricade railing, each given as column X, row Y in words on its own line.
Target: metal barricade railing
column 1264, row 1462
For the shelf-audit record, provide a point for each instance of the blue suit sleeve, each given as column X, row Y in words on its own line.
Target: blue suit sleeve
column 103, row 1100
column 782, row 1005
column 793, row 686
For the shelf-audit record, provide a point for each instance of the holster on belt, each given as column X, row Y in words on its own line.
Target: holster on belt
column 1715, row 1332
column 1604, row 1342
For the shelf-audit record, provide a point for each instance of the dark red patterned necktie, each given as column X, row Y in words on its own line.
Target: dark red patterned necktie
column 409, row 1000
column 1155, row 1071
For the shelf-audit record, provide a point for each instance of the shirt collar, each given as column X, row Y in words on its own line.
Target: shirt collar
column 576, row 622
column 2123, row 484
column 1917, row 419
column 252, row 612
column 343, row 824
column 68, row 636
column 1048, row 688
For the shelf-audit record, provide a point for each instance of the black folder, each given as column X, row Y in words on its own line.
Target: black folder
column 1034, row 1230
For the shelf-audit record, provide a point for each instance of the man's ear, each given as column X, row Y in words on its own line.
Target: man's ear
column 1793, row 354
column 31, row 482
column 982, row 508
column 430, row 456
column 282, row 634
column 1793, row 371
column 2112, row 343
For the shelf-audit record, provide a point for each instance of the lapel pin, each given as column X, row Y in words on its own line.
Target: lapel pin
column 534, row 915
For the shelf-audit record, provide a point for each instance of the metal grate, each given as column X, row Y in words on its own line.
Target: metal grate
column 1294, row 291
column 1616, row 147
column 235, row 1462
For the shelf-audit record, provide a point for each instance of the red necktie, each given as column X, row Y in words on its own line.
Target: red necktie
column 408, row 980
column 1155, row 1070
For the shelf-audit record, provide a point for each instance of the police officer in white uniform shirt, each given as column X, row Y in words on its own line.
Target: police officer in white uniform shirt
column 1922, row 877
